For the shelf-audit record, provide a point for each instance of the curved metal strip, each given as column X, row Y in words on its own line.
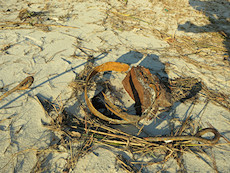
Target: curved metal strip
column 109, row 66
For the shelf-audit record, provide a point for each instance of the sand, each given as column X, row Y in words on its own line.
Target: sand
column 171, row 38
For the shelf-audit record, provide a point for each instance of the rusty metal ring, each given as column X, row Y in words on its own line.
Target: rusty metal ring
column 126, row 118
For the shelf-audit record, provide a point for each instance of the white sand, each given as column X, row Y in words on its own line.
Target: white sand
column 47, row 55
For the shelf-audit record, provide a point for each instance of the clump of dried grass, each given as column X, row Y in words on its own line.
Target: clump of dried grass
column 186, row 88
column 87, row 132
column 30, row 19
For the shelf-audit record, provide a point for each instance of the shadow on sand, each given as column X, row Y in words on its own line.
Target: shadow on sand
column 218, row 13
column 160, row 125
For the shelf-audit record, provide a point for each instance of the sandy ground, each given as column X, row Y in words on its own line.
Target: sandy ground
column 171, row 38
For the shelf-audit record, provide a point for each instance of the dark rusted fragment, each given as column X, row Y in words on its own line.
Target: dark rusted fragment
column 146, row 89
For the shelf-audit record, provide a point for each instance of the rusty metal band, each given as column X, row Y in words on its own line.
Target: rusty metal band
column 126, row 118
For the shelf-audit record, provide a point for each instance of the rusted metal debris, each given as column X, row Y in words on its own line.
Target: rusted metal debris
column 146, row 89
column 143, row 87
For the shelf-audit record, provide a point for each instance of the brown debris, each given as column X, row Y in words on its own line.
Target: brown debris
column 146, row 89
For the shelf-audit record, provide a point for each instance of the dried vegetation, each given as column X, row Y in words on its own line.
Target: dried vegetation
column 78, row 136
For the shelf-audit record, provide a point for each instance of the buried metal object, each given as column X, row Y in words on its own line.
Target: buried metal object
column 126, row 118
column 142, row 78
column 143, row 87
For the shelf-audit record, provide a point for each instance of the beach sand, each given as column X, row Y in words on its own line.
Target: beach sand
column 54, row 40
